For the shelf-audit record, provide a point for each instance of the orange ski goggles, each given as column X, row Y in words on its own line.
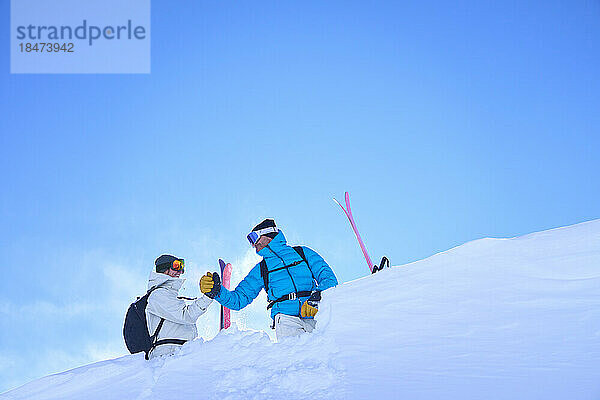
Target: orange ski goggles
column 178, row 265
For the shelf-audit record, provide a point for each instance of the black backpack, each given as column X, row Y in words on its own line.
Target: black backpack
column 135, row 329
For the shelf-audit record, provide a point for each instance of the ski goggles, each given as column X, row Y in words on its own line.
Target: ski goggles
column 178, row 265
column 255, row 235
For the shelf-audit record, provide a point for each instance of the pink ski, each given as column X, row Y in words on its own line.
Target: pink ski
column 348, row 213
column 225, row 281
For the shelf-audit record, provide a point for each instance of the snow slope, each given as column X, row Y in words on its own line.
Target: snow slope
column 492, row 319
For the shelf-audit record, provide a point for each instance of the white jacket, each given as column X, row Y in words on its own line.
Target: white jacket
column 180, row 318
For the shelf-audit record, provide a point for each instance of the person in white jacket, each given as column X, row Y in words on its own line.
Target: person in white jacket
column 164, row 304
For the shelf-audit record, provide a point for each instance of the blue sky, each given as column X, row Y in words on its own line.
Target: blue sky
column 446, row 122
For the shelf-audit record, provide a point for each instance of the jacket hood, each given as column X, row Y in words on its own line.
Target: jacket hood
column 278, row 243
column 165, row 280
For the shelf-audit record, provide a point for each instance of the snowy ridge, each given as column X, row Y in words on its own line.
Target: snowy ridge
column 494, row 318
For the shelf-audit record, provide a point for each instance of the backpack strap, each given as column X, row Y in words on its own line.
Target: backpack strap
column 264, row 271
column 290, row 296
column 186, row 298
column 156, row 343
column 152, row 289
column 158, row 328
column 153, row 338
column 300, row 251
column 169, row 341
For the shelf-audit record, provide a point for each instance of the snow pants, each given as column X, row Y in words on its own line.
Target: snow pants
column 288, row 325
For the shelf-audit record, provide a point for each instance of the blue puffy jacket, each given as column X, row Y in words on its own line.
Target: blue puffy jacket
column 288, row 280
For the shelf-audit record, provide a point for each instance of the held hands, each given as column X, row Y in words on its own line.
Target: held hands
column 210, row 284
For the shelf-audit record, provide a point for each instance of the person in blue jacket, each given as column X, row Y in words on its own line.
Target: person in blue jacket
column 293, row 278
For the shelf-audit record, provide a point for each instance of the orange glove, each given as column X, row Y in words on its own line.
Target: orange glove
column 307, row 310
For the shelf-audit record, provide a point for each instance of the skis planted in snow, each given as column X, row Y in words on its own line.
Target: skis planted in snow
column 225, row 281
column 348, row 211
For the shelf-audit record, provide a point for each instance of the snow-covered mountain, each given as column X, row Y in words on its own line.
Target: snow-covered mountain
column 491, row 319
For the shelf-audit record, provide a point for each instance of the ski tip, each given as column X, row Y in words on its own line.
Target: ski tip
column 221, row 263
column 346, row 194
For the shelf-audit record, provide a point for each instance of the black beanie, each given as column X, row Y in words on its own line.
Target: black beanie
column 164, row 262
column 267, row 223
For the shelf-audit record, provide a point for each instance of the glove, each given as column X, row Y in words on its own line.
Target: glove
column 311, row 306
column 308, row 310
column 210, row 284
